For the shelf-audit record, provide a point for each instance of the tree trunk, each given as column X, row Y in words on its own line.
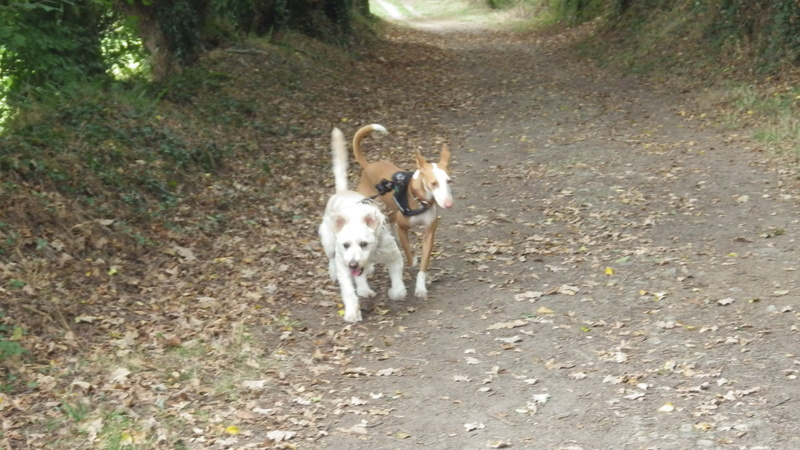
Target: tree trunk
column 170, row 31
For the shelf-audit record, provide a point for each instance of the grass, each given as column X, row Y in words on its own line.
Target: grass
column 219, row 368
column 770, row 109
column 735, row 92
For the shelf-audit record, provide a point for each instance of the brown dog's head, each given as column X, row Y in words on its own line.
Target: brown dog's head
column 435, row 177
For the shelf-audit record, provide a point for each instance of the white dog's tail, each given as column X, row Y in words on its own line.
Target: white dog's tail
column 339, row 151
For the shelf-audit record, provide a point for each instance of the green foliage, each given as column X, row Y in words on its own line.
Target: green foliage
column 500, row 4
column 579, row 11
column 763, row 35
column 104, row 145
column 329, row 20
column 48, row 44
column 9, row 348
column 571, row 12
column 181, row 21
column 76, row 412
column 769, row 32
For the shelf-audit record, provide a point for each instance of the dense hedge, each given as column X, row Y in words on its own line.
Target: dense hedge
column 46, row 44
column 768, row 32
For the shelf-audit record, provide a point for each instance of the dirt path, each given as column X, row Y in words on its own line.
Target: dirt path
column 618, row 271
column 617, row 274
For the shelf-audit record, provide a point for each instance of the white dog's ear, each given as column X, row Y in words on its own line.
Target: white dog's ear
column 372, row 221
column 338, row 223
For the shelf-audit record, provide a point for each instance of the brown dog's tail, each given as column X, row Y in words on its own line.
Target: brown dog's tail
column 363, row 131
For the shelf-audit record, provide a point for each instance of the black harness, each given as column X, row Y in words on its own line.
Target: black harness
column 399, row 184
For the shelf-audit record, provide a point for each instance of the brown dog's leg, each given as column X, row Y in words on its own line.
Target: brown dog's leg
column 402, row 234
column 427, row 247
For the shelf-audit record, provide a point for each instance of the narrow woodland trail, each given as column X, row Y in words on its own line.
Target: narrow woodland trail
column 617, row 273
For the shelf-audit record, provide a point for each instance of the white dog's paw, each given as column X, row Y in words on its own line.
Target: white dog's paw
column 352, row 316
column 421, row 291
column 397, row 292
column 365, row 291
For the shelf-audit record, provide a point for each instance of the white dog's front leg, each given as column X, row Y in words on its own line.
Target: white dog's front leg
column 352, row 310
column 421, row 291
column 362, row 286
column 332, row 269
column 398, row 289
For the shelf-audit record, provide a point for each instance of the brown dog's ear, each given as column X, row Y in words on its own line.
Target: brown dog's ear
column 444, row 157
column 421, row 163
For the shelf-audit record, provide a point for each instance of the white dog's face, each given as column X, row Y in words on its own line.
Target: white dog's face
column 356, row 239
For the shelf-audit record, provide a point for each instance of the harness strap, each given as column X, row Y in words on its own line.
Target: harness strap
column 400, row 185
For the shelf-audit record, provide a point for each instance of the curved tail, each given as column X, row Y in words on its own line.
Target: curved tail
column 363, row 131
column 339, row 152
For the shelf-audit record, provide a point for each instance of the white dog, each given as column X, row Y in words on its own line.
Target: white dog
column 355, row 237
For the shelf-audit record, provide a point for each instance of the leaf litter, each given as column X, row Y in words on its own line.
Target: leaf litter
column 608, row 211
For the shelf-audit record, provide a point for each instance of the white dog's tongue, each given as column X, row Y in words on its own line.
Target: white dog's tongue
column 356, row 272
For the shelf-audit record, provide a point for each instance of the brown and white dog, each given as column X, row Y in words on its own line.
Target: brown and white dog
column 414, row 200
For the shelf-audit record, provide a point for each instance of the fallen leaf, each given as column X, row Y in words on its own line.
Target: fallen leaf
column 280, row 436
column 544, row 310
column 359, row 428
column 568, row 290
column 119, row 376
column 667, row 407
column 473, row 426
column 541, row 398
column 512, row 324
column 255, row 384
column 92, row 428
column 703, row 426
column 87, row 319
column 530, row 296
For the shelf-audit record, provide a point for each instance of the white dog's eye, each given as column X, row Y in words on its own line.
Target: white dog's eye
column 363, row 245
column 346, row 245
